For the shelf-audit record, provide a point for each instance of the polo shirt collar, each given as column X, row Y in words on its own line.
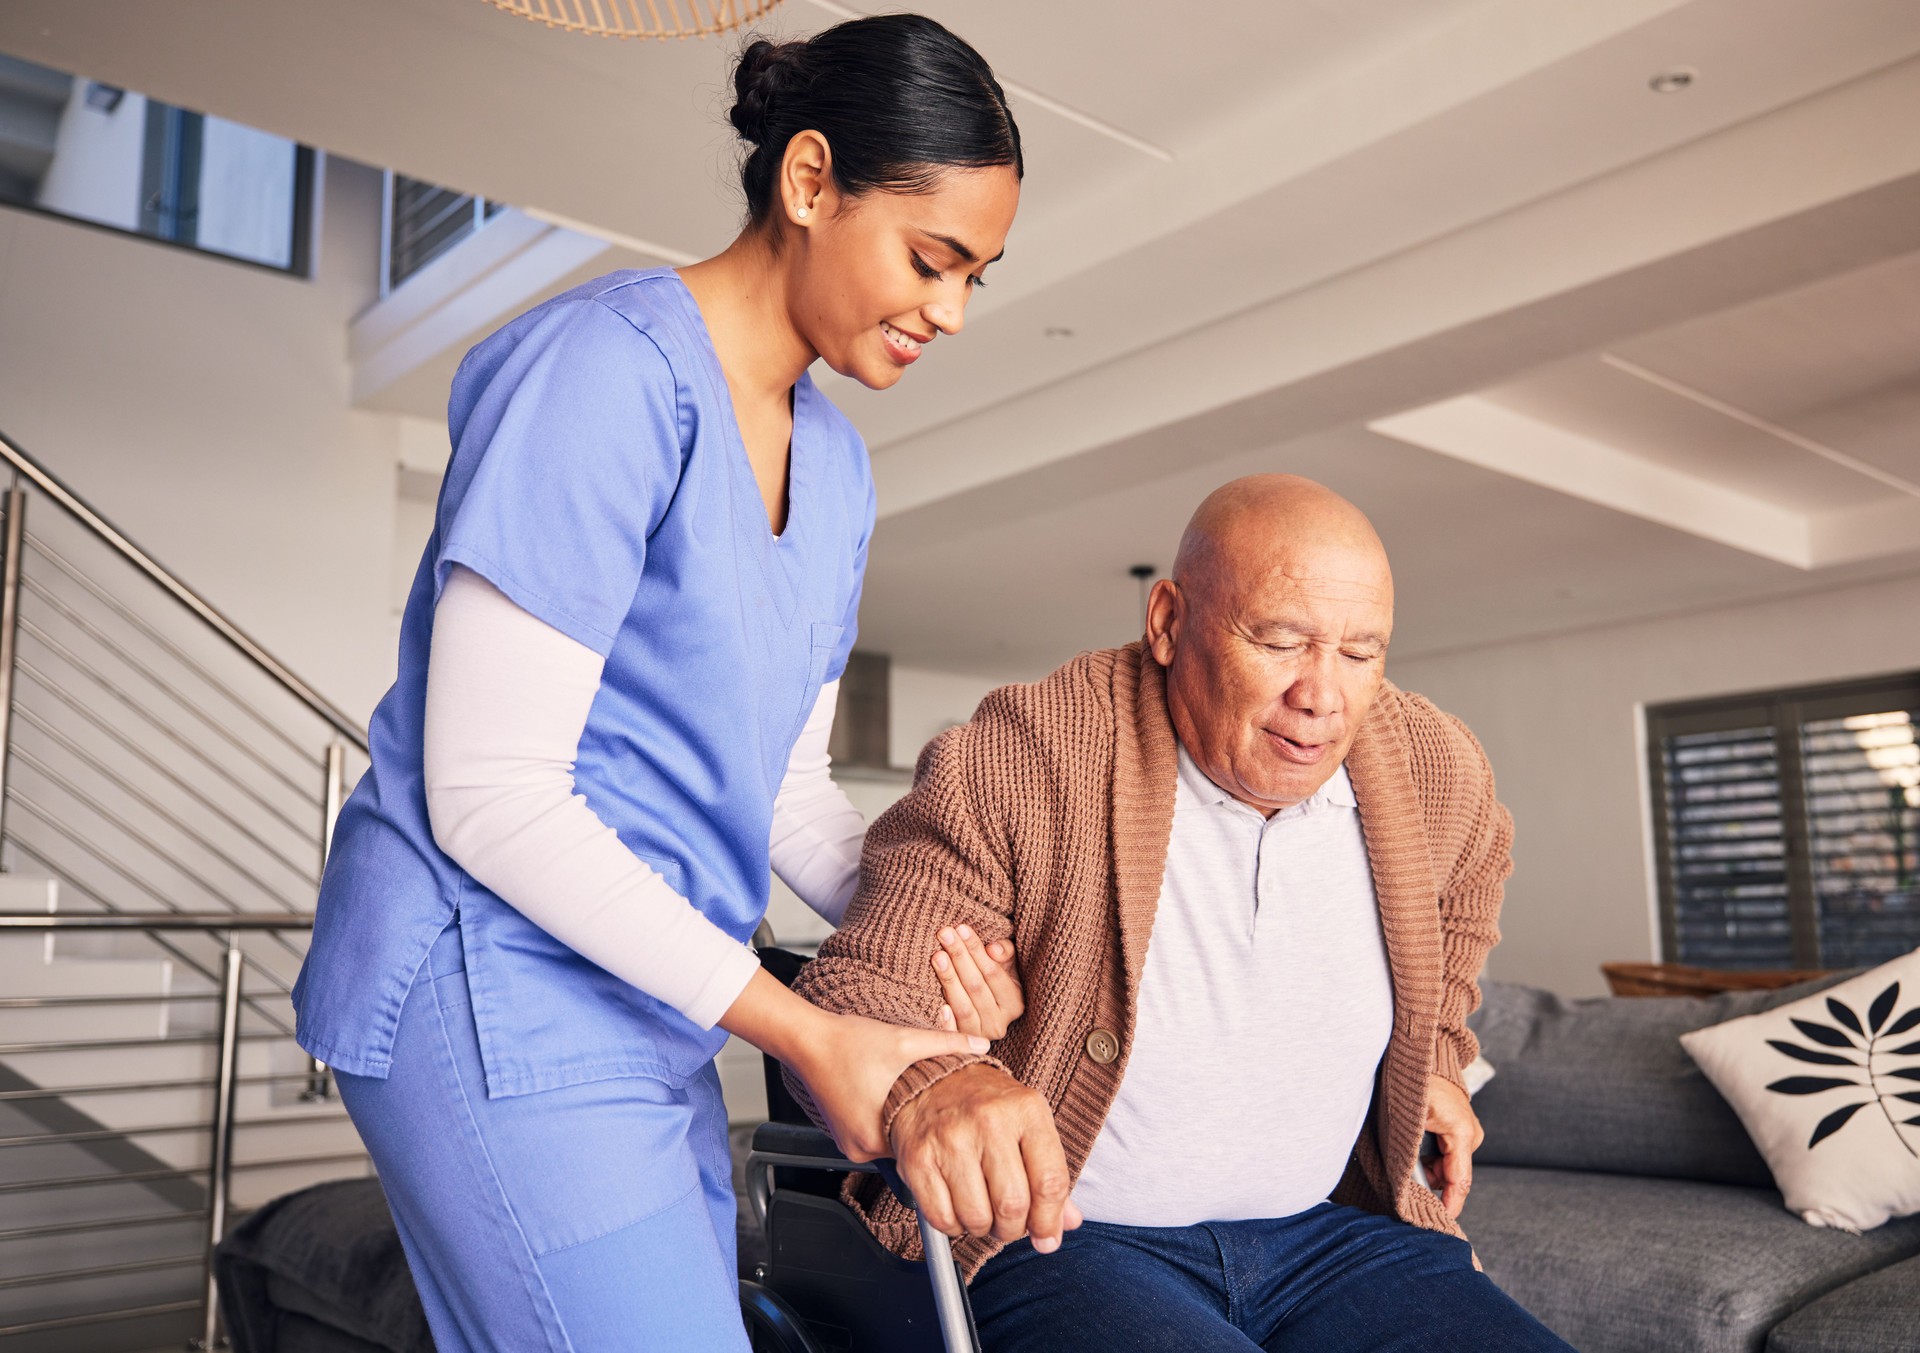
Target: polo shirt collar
column 1337, row 792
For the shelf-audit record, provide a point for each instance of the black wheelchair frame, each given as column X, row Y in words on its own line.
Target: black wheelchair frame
column 827, row 1285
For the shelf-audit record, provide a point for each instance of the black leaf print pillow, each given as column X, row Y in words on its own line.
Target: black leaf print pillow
column 1829, row 1090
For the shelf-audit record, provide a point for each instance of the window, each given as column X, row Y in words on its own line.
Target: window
column 424, row 221
column 92, row 152
column 1787, row 826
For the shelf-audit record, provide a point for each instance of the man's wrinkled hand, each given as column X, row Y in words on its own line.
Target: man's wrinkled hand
column 982, row 1156
column 1450, row 1118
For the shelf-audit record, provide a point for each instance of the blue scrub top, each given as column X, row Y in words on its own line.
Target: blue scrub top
column 599, row 480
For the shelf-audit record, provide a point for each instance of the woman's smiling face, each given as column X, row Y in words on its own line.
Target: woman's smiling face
column 874, row 279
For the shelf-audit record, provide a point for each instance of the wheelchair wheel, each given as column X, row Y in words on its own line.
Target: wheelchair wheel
column 772, row 1326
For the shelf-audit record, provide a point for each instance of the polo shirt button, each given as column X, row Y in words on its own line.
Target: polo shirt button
column 1102, row 1046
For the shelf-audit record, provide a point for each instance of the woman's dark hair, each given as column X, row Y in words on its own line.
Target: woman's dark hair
column 899, row 99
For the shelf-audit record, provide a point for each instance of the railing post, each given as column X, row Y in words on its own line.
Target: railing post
column 220, row 1168
column 16, row 541
column 319, row 1079
column 336, row 791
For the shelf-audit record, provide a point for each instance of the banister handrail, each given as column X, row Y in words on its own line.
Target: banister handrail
column 170, row 920
column 77, row 507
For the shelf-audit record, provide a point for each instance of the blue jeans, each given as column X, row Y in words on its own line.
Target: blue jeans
column 1330, row 1280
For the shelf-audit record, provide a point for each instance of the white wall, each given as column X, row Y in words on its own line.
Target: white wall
column 202, row 405
column 1560, row 719
column 923, row 703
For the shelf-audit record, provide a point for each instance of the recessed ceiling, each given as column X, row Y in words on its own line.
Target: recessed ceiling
column 1270, row 225
column 1838, row 360
column 1622, row 408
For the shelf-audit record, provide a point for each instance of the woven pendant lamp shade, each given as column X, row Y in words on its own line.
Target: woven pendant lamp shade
column 641, row 18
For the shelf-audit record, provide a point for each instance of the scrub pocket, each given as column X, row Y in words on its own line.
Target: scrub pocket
column 826, row 638
column 826, row 642
column 582, row 1161
column 548, row 1018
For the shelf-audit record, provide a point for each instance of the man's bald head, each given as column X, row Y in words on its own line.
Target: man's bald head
column 1247, row 526
column 1273, row 630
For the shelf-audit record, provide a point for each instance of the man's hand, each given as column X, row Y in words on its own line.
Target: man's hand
column 1450, row 1118
column 849, row 1062
column 980, row 983
column 980, row 1152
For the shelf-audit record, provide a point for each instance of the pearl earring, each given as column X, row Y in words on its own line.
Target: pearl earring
column 801, row 213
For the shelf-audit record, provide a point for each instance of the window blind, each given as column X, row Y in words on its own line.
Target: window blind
column 1787, row 826
column 424, row 221
column 1727, row 836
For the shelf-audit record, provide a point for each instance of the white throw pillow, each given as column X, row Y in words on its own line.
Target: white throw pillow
column 1829, row 1090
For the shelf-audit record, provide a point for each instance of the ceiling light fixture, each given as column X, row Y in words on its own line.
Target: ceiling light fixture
column 641, row 18
column 1674, row 80
column 1143, row 574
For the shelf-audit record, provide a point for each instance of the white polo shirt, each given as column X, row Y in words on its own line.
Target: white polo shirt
column 1264, row 1009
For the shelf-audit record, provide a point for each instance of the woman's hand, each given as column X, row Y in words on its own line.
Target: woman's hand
column 980, row 983
column 848, row 1062
column 850, row 1070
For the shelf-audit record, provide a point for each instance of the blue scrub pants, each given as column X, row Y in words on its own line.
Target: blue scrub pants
column 592, row 1217
column 1330, row 1280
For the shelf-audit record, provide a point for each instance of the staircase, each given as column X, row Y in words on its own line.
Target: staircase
column 166, row 792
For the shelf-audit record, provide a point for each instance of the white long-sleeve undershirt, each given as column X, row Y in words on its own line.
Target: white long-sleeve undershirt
column 506, row 704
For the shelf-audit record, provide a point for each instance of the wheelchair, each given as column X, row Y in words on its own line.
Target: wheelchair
column 827, row 1285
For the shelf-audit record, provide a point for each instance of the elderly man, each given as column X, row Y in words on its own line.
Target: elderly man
column 1252, row 885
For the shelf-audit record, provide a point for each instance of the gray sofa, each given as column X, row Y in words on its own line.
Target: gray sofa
column 1618, row 1198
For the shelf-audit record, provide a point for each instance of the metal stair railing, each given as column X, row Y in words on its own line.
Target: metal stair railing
column 194, row 1192
column 180, row 785
column 153, row 756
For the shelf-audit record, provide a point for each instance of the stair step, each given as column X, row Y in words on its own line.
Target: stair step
column 24, row 892
column 69, row 978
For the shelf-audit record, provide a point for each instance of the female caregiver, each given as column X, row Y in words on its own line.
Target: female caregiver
column 617, row 669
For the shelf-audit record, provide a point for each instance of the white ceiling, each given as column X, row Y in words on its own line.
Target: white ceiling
column 1567, row 339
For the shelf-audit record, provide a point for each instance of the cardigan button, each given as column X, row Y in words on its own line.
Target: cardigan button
column 1102, row 1046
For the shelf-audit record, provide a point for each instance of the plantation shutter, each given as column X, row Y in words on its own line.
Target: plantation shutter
column 1727, row 849
column 1787, row 826
column 1863, row 814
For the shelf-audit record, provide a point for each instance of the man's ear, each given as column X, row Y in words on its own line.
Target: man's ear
column 1165, row 607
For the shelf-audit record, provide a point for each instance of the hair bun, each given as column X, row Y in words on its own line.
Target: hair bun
column 764, row 70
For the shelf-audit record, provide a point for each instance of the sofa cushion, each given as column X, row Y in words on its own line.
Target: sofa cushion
column 1617, row 1264
column 1603, row 1084
column 1879, row 1313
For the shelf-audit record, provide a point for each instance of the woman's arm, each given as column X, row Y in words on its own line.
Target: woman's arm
column 817, row 836
column 507, row 701
column 817, row 831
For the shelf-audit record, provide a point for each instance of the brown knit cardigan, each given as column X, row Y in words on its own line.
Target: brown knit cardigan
column 1047, row 818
